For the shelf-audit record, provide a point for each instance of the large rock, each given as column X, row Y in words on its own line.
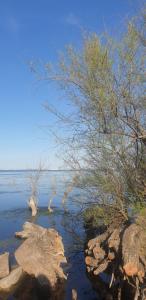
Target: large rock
column 4, row 265
column 10, row 283
column 41, row 254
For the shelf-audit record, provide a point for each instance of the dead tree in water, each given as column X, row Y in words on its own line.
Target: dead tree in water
column 68, row 190
column 74, row 294
column 34, row 181
column 53, row 193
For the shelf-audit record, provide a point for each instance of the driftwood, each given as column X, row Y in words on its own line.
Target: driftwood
column 4, row 265
column 121, row 253
column 10, row 283
column 50, row 202
column 29, row 230
column 74, row 294
column 33, row 205
column 34, row 179
column 130, row 250
column 41, row 254
column 53, row 193
column 39, row 274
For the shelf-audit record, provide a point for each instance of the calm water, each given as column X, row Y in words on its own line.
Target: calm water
column 14, row 193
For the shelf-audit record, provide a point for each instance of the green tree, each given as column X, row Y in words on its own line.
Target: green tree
column 105, row 130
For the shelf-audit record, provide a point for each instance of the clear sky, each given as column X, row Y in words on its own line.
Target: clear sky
column 33, row 30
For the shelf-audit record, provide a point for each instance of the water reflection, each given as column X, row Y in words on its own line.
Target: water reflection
column 14, row 193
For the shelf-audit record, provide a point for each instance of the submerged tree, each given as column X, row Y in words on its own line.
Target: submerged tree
column 34, row 179
column 53, row 193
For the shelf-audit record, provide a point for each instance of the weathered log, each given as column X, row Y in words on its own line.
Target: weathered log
column 114, row 239
column 74, row 294
column 41, row 254
column 10, row 283
column 98, row 253
column 4, row 265
column 50, row 210
column 91, row 261
column 29, row 230
column 50, row 202
column 33, row 205
column 98, row 240
column 119, row 252
column 101, row 268
column 95, row 260
column 131, row 250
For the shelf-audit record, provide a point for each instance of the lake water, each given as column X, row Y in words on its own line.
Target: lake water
column 14, row 193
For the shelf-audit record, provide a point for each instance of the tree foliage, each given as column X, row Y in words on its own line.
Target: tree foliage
column 106, row 125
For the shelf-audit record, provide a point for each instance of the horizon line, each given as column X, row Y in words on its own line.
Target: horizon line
column 6, row 170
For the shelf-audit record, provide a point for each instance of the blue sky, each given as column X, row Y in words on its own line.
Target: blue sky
column 37, row 30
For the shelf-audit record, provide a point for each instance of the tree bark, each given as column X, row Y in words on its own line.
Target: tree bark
column 33, row 206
